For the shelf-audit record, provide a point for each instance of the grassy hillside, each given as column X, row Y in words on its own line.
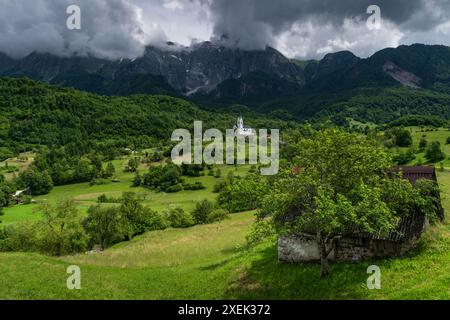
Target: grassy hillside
column 33, row 114
column 208, row 262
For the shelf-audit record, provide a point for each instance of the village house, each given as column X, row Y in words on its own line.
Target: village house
column 354, row 247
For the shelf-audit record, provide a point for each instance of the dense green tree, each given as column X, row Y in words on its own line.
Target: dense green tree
column 340, row 185
column 423, row 144
column 243, row 194
column 110, row 170
column 178, row 218
column 137, row 181
column 38, row 182
column 84, row 171
column 163, row 178
column 137, row 219
column 434, row 152
column 103, row 225
column 202, row 211
column 405, row 157
column 402, row 137
column 60, row 232
column 133, row 165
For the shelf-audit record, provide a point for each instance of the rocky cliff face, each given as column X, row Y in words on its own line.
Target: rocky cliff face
column 186, row 70
column 204, row 66
column 213, row 73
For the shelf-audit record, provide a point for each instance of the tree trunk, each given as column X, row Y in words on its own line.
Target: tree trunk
column 324, row 269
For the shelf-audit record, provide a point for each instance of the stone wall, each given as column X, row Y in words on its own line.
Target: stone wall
column 304, row 248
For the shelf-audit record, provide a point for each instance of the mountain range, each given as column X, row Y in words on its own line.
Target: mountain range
column 214, row 75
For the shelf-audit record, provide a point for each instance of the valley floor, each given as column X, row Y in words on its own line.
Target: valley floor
column 210, row 262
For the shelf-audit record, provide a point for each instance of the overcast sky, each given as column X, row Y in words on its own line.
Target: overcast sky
column 298, row 28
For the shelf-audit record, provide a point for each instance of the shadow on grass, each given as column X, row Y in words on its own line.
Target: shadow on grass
column 265, row 278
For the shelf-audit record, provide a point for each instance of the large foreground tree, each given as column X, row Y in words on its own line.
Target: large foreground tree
column 338, row 183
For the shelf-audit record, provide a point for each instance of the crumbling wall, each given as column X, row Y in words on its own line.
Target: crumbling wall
column 298, row 248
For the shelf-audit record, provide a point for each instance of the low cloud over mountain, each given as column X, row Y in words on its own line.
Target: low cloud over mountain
column 298, row 28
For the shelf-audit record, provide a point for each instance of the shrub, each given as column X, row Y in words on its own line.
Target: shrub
column 175, row 188
column 137, row 181
column 39, row 182
column 98, row 182
column 202, row 211
column 59, row 232
column 161, row 178
column 110, row 171
column 194, row 186
column 423, row 144
column 105, row 199
column 448, row 140
column 219, row 186
column 218, row 215
column 243, row 194
column 19, row 237
column 137, row 219
column 192, row 170
column 405, row 157
column 178, row 218
column 155, row 220
column 434, row 152
column 103, row 226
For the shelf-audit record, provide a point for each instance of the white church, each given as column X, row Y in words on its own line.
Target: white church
column 241, row 130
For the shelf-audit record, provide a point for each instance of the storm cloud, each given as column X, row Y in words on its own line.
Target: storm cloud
column 110, row 28
column 299, row 28
column 253, row 24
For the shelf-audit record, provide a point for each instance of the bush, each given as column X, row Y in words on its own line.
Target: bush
column 39, row 182
column 105, row 199
column 405, row 157
column 175, row 188
column 423, row 144
column 192, row 170
column 137, row 219
column 218, row 215
column 202, row 211
column 178, row 218
column 98, row 182
column 401, row 137
column 137, row 181
column 448, row 140
column 434, row 152
column 19, row 237
column 243, row 194
column 161, row 178
column 194, row 186
column 219, row 186
column 155, row 220
column 103, row 226
column 60, row 232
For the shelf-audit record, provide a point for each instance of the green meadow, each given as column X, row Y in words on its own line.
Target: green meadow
column 212, row 261
column 430, row 134
column 86, row 195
